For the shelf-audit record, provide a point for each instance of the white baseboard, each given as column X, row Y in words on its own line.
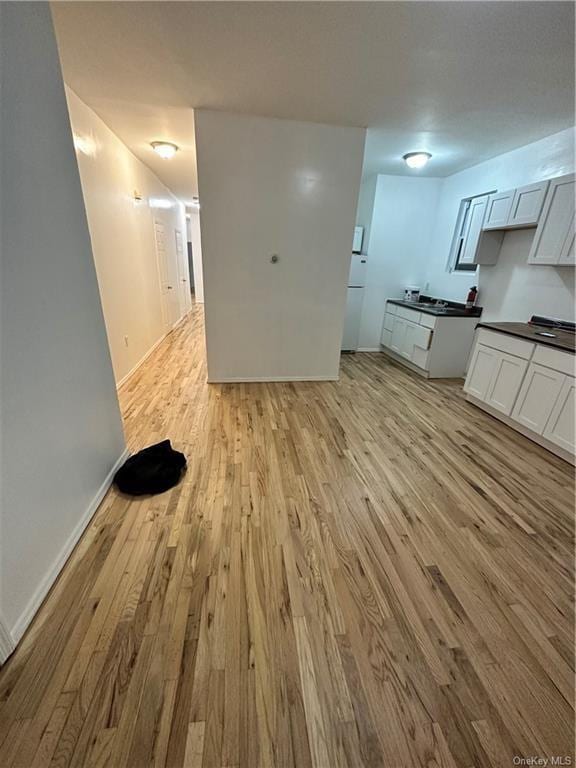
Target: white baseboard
column 269, row 379
column 43, row 588
column 369, row 349
column 7, row 644
column 156, row 344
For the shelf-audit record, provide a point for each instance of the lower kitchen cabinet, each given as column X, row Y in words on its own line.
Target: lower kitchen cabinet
column 560, row 426
column 537, row 397
column 434, row 346
column 529, row 386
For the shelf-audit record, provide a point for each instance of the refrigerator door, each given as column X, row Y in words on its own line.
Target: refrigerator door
column 357, row 276
column 354, row 299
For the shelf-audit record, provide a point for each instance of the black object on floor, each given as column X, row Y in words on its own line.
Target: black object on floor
column 152, row 470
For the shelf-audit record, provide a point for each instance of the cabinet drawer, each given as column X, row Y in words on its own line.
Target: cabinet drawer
column 391, row 309
column 389, row 321
column 428, row 321
column 408, row 314
column 386, row 337
column 555, row 359
column 505, row 343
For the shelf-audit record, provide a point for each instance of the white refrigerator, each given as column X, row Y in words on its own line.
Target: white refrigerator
column 354, row 301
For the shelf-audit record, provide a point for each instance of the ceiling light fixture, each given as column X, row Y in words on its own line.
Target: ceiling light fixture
column 416, row 159
column 165, row 149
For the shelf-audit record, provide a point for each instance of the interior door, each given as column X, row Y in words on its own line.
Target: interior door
column 182, row 265
column 163, row 272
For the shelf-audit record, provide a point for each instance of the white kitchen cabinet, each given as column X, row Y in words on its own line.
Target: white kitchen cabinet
column 498, row 210
column 480, row 371
column 527, row 385
column 398, row 334
column 560, row 427
column 469, row 252
column 506, row 380
column 537, row 397
column 527, row 204
column 554, row 239
column 433, row 346
column 515, row 208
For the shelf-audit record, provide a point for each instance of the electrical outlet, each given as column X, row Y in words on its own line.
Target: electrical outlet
column 125, row 341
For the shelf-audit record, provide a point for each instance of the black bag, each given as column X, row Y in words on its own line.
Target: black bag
column 151, row 470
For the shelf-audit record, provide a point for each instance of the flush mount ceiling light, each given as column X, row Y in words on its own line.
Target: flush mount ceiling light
column 165, row 149
column 416, row 159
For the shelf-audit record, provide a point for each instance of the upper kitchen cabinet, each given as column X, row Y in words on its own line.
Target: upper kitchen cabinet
column 516, row 208
column 478, row 246
column 554, row 239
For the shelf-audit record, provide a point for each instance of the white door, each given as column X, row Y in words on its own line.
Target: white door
column 409, row 340
column 554, row 239
column 183, row 274
column 480, row 371
column 560, row 426
column 354, row 299
column 398, row 333
column 498, row 210
column 474, row 230
column 163, row 272
column 503, row 389
column 537, row 397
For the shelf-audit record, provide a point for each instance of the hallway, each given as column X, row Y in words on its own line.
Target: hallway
column 369, row 572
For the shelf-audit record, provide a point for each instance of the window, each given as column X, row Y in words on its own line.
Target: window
column 460, row 235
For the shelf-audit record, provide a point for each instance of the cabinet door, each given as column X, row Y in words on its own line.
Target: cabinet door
column 409, row 339
column 567, row 255
column 498, row 210
column 475, row 220
column 527, row 204
column 480, row 371
column 560, row 426
column 398, row 333
column 537, row 397
column 555, row 232
column 503, row 389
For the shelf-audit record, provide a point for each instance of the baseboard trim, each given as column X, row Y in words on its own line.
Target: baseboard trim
column 368, row 349
column 142, row 360
column 7, row 644
column 45, row 585
column 269, row 379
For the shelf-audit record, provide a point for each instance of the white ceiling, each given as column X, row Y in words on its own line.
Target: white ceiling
column 463, row 80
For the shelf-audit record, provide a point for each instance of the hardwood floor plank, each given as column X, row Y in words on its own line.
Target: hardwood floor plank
column 352, row 574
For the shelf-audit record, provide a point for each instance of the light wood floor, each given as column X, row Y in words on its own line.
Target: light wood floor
column 363, row 573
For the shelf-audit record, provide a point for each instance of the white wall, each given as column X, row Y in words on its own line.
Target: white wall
column 275, row 187
column 196, row 240
column 511, row 289
column 366, row 198
column 401, row 229
column 61, row 427
column 123, row 239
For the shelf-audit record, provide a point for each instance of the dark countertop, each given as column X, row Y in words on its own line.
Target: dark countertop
column 564, row 340
column 454, row 308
